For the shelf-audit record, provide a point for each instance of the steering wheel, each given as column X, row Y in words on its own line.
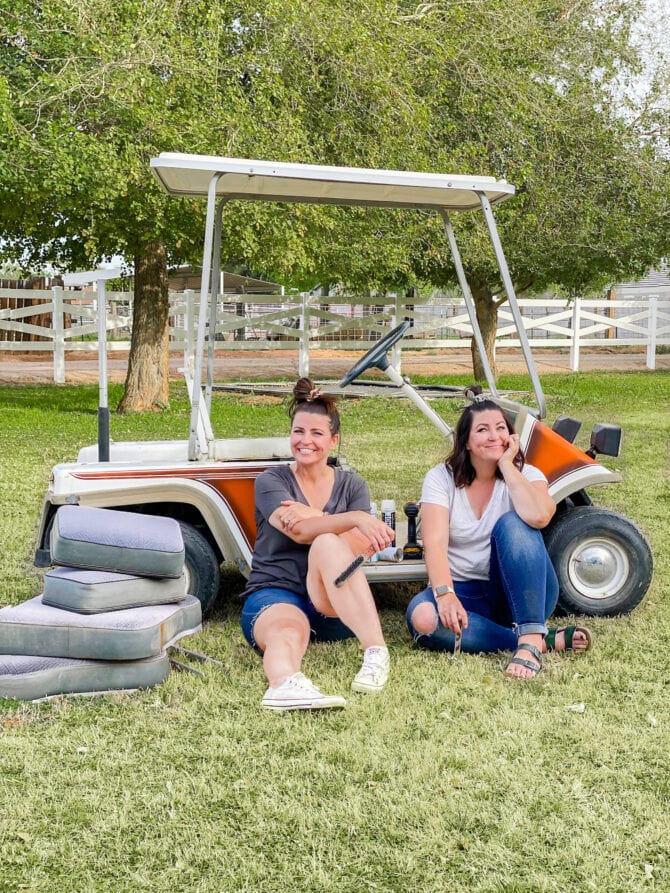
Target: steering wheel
column 376, row 356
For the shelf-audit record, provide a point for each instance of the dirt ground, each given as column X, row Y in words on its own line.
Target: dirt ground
column 37, row 367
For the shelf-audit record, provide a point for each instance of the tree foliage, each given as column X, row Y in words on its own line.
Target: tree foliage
column 522, row 89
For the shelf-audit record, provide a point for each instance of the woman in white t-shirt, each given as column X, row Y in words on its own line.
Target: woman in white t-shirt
column 492, row 583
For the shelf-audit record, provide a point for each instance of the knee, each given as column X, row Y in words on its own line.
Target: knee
column 323, row 546
column 509, row 524
column 423, row 620
column 291, row 635
column 511, row 530
column 282, row 626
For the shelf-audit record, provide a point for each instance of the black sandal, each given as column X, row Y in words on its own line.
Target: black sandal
column 569, row 634
column 522, row 662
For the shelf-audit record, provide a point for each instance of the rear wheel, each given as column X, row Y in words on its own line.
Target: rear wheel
column 603, row 562
column 202, row 568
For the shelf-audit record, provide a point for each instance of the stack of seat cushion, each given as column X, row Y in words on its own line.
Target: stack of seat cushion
column 31, row 677
column 90, row 592
column 107, row 614
column 125, row 542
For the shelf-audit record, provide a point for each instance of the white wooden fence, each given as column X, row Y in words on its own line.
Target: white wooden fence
column 305, row 323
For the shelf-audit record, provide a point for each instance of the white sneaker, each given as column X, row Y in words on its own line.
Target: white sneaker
column 297, row 692
column 373, row 674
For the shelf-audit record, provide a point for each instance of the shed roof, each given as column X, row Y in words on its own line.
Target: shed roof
column 233, row 283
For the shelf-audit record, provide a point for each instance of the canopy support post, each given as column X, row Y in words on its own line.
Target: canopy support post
column 513, row 303
column 469, row 303
column 195, row 447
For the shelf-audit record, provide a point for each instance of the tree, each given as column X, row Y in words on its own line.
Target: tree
column 90, row 91
column 535, row 102
column 529, row 91
column 523, row 89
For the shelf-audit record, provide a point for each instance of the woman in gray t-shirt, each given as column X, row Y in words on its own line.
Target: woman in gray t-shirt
column 302, row 511
column 492, row 582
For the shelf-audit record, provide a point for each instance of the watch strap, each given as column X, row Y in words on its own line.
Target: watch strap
column 443, row 590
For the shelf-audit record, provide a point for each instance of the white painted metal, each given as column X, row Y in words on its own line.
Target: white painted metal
column 240, row 178
column 513, row 305
column 469, row 303
column 194, row 445
column 412, row 395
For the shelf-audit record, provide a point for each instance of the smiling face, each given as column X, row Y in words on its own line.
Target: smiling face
column 489, row 436
column 311, row 438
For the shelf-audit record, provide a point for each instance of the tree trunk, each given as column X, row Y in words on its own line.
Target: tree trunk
column 487, row 316
column 148, row 363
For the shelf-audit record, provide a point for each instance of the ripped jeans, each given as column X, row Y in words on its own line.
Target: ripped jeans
column 519, row 596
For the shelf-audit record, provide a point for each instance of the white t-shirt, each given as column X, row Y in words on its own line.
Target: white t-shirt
column 469, row 537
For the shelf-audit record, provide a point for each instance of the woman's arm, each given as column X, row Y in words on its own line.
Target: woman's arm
column 303, row 524
column 435, row 532
column 531, row 499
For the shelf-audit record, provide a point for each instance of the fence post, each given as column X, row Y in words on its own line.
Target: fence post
column 396, row 350
column 651, row 337
column 574, row 346
column 303, row 349
column 58, row 334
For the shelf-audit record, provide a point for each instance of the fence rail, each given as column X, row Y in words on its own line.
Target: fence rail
column 58, row 321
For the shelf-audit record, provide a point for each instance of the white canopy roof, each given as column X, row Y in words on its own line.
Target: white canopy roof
column 240, row 178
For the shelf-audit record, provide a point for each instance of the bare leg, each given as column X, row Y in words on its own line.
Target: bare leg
column 352, row 602
column 282, row 634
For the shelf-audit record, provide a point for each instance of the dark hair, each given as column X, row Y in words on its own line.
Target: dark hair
column 307, row 397
column 458, row 459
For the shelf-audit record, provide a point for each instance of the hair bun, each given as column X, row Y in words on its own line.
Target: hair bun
column 305, row 392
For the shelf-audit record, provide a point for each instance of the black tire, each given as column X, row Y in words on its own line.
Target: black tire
column 203, row 571
column 603, row 562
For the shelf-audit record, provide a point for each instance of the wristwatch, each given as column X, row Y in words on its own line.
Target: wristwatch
column 443, row 590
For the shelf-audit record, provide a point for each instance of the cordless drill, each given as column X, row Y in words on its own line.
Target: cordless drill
column 411, row 549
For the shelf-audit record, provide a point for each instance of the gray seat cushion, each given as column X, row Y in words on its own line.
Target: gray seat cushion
column 110, row 540
column 27, row 677
column 35, row 628
column 91, row 592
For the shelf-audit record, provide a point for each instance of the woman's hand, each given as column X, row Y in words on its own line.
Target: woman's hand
column 379, row 534
column 291, row 513
column 511, row 451
column 452, row 613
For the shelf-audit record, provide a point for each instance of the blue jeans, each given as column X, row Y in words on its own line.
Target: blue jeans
column 519, row 596
column 322, row 627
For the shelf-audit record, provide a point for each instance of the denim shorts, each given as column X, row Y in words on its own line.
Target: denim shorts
column 323, row 628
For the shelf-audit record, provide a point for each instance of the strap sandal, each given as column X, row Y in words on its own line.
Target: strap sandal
column 535, row 667
column 569, row 634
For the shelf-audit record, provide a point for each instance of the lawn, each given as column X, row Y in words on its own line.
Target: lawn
column 452, row 779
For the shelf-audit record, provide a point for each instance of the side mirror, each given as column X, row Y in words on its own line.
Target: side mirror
column 605, row 439
column 567, row 427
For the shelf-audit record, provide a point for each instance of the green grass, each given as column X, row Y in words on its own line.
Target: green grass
column 452, row 779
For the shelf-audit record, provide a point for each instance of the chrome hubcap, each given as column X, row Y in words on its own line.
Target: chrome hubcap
column 598, row 567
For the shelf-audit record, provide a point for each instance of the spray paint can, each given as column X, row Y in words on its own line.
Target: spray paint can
column 388, row 514
column 390, row 553
column 373, row 510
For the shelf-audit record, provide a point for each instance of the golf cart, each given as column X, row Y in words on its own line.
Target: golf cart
column 603, row 561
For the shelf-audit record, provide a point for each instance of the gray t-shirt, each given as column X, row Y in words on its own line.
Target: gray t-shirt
column 277, row 559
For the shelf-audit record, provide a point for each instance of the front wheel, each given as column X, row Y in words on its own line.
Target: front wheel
column 202, row 568
column 603, row 562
